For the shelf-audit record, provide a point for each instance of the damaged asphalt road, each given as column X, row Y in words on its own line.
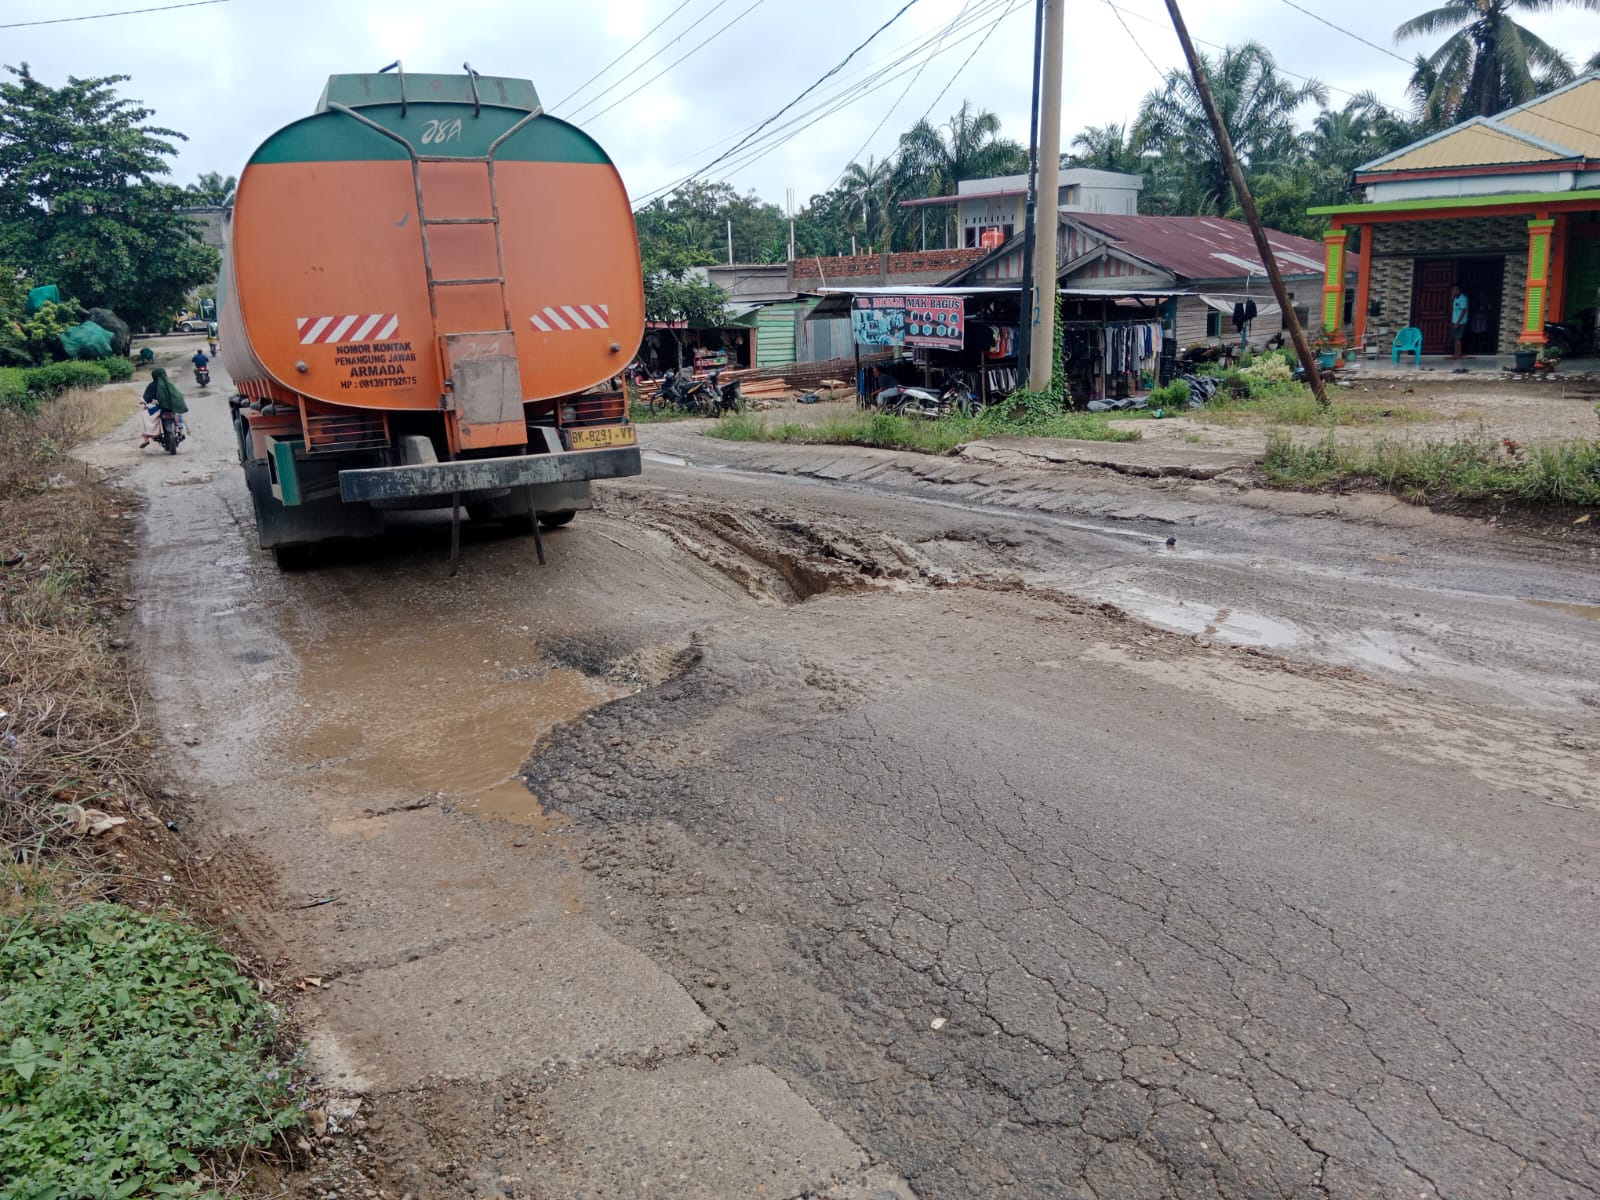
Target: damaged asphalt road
column 877, row 851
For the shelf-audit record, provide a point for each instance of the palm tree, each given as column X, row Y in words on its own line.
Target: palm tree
column 1593, row 64
column 934, row 159
column 1488, row 62
column 871, row 186
column 1258, row 107
column 210, row 188
column 1106, row 148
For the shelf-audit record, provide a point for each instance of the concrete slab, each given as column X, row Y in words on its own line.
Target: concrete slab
column 1130, row 458
column 693, row 1131
column 563, row 991
column 405, row 882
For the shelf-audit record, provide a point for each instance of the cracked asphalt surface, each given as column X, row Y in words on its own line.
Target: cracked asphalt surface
column 878, row 850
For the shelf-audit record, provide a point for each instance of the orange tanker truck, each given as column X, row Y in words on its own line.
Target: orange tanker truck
column 424, row 285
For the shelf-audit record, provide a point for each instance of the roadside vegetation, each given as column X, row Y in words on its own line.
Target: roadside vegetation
column 1475, row 470
column 931, row 437
column 136, row 1059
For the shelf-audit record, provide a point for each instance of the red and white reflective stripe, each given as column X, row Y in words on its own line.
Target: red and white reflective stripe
column 557, row 318
column 356, row 327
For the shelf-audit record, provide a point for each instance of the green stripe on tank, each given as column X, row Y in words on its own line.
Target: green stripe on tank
column 433, row 130
column 328, row 137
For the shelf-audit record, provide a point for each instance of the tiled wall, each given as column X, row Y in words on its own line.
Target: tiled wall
column 1392, row 277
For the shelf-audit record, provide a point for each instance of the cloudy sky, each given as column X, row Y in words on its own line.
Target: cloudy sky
column 229, row 73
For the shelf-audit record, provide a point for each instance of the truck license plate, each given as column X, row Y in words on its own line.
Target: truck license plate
column 598, row 436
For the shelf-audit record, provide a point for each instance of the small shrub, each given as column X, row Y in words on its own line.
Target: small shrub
column 1174, row 395
column 14, row 393
column 130, row 1047
column 1269, row 368
column 50, row 381
column 120, row 369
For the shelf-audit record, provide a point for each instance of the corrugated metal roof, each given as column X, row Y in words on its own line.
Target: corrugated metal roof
column 1203, row 247
column 1481, row 145
column 1570, row 117
column 1562, row 125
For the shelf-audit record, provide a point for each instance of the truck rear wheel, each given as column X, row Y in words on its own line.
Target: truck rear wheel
column 555, row 520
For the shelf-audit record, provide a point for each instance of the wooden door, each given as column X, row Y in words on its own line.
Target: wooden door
column 1480, row 280
column 1430, row 303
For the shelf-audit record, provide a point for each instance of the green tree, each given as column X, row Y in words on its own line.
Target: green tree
column 211, row 188
column 873, row 187
column 935, row 158
column 1106, row 148
column 80, row 201
column 1488, row 62
column 1258, row 108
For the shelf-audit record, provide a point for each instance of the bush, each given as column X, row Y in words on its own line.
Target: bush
column 130, row 1046
column 49, row 382
column 14, row 389
column 1269, row 368
column 1174, row 395
column 120, row 369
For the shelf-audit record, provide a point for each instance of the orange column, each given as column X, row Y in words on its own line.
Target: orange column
column 1363, row 285
column 1554, row 300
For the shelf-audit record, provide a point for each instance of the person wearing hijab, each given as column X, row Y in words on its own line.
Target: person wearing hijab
column 161, row 395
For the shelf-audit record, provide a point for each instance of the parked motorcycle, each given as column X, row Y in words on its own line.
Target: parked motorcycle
column 729, row 398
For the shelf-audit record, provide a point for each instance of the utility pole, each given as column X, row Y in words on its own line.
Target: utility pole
column 730, row 241
column 1025, row 301
column 1248, row 203
column 1042, row 344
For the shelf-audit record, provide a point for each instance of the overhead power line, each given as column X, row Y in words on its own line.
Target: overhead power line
column 673, row 42
column 1117, row 13
column 677, row 63
column 965, row 63
column 643, row 38
column 880, row 74
column 127, row 12
column 813, row 86
column 1347, row 33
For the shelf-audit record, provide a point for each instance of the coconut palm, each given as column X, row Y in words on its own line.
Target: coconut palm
column 935, row 158
column 1488, row 62
column 1258, row 107
column 1106, row 148
column 871, row 186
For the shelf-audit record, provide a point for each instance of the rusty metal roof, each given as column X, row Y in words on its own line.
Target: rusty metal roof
column 1202, row 247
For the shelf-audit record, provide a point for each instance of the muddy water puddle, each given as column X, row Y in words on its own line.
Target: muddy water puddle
column 449, row 716
column 1589, row 612
column 1234, row 625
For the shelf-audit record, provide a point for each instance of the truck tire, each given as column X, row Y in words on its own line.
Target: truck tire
column 292, row 558
column 555, row 520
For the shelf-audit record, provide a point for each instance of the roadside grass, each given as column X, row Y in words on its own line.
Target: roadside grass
column 641, row 414
column 904, row 433
column 132, row 1063
column 1475, row 469
column 1283, row 404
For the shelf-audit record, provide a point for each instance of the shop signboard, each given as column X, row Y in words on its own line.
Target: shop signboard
column 933, row 321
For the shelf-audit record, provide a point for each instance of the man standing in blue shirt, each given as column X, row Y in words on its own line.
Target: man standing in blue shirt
column 1458, row 318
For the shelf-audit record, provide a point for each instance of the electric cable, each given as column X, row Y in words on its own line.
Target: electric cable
column 951, row 81
column 127, row 12
column 681, row 35
column 641, row 41
column 832, row 71
column 676, row 63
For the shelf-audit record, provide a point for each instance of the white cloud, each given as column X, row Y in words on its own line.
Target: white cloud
column 229, row 75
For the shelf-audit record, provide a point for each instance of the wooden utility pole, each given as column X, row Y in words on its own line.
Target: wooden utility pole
column 1042, row 342
column 1248, row 203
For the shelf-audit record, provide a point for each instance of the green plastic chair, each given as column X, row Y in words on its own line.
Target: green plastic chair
column 1407, row 341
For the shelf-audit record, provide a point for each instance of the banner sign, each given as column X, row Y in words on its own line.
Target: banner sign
column 935, row 321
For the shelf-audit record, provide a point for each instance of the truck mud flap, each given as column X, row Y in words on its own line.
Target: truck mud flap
column 304, row 524
column 484, row 474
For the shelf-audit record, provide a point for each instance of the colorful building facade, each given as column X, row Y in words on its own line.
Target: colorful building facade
column 1507, row 208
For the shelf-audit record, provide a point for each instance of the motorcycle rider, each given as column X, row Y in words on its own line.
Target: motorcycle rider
column 165, row 396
